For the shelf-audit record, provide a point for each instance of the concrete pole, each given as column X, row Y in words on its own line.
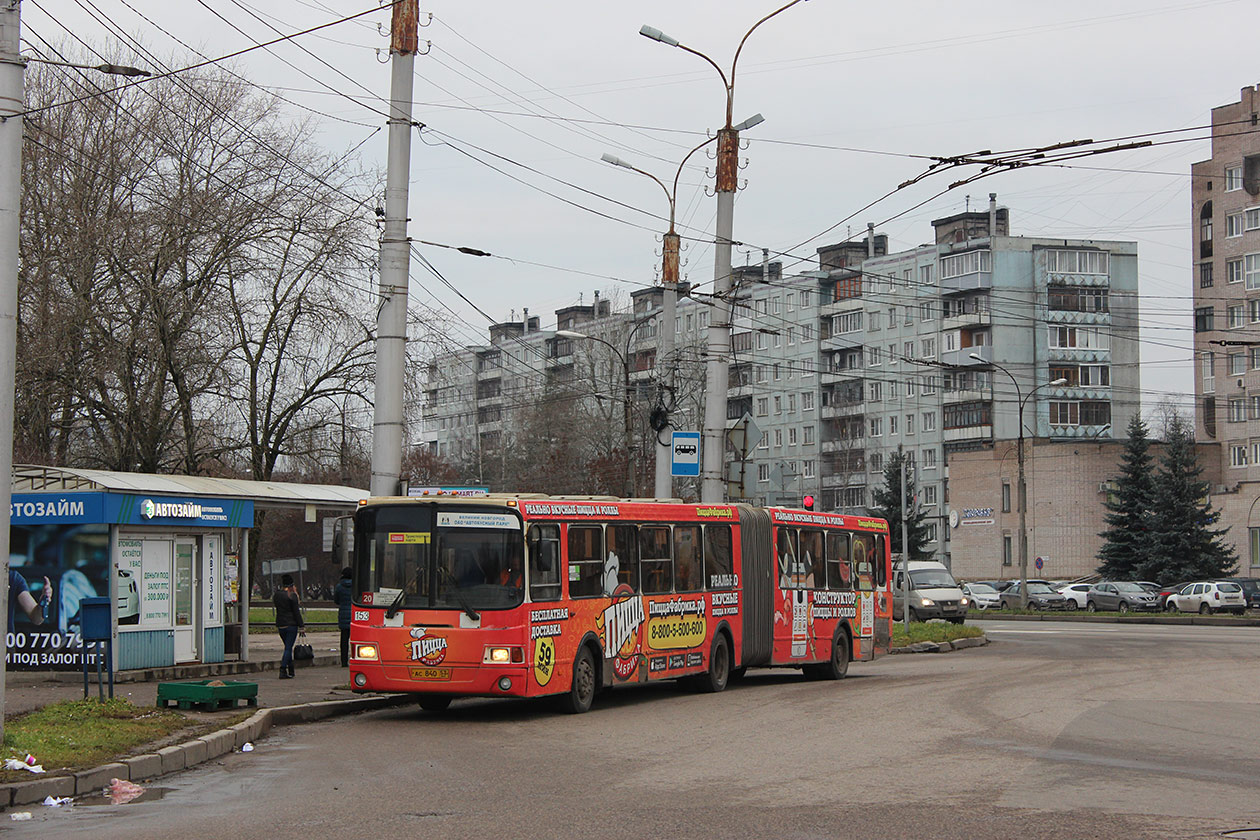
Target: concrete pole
column 12, row 101
column 395, row 258
column 1023, row 516
column 663, row 487
column 905, row 548
column 717, row 370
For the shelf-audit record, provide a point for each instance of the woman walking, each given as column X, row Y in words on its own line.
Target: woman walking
column 288, row 622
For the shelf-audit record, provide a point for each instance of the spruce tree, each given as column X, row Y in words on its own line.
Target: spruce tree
column 1185, row 545
column 1127, row 542
column 888, row 506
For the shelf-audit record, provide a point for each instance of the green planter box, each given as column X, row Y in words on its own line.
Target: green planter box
column 201, row 694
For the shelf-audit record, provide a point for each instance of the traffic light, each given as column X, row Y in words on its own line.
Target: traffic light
column 808, row 503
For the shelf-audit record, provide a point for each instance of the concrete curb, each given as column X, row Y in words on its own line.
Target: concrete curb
column 943, row 647
column 191, row 672
column 190, row 753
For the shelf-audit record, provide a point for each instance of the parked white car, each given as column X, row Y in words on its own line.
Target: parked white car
column 1076, row 594
column 982, row 595
column 1206, row 597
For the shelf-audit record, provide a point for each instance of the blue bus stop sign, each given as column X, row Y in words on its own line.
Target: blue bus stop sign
column 686, row 459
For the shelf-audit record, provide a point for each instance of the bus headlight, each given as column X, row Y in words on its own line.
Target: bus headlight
column 366, row 652
column 502, row 655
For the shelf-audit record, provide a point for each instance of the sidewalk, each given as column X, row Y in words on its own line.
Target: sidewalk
column 320, row 679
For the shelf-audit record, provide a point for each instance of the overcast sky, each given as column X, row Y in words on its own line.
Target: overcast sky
column 851, row 93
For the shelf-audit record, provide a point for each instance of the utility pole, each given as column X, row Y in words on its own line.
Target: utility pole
column 12, row 101
column 663, row 487
column 395, row 257
column 905, row 547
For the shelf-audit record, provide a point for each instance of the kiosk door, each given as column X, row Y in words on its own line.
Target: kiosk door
column 185, row 600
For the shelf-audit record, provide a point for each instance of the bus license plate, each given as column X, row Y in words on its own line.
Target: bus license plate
column 430, row 673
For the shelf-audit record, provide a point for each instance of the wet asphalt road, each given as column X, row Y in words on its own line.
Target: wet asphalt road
column 1055, row 730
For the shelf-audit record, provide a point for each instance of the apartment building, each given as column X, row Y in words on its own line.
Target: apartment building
column 943, row 349
column 1225, row 209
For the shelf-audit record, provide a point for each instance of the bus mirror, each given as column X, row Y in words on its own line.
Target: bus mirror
column 343, row 534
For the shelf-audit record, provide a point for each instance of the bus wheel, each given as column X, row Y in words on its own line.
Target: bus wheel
column 434, row 702
column 719, row 666
column 582, row 691
column 838, row 666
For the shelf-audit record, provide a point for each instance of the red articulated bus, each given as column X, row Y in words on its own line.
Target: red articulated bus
column 523, row 596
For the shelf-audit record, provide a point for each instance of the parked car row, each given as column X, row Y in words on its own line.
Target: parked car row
column 1231, row 595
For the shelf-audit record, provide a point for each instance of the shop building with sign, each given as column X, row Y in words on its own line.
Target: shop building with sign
column 170, row 552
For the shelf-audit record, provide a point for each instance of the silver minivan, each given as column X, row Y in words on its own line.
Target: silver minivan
column 933, row 592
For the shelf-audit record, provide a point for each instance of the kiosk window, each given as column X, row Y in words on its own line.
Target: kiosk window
column 687, row 560
column 544, row 562
column 657, row 567
column 586, row 561
column 719, row 566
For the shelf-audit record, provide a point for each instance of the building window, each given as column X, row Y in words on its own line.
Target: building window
column 877, row 427
column 1234, row 271
column 778, row 437
column 929, row 421
column 792, row 436
column 1233, row 178
column 763, row 406
column 1252, row 219
column 807, row 400
column 1238, row 456
column 1006, row 549
column 1237, row 364
column 929, row 459
column 1065, row 414
column 930, row 385
column 1006, row 497
column 808, row 435
column 876, row 390
column 1251, row 271
column 791, row 302
column 1205, row 275
column 972, row 262
column 929, row 532
column 876, row 462
column 892, row 424
column 1077, row 262
column 1203, row 319
column 1235, row 316
column 872, row 321
column 1237, row 410
column 778, row 405
column 1234, row 224
column 925, row 274
column 763, row 473
column 874, row 360
column 791, row 403
column 807, row 469
column 909, row 424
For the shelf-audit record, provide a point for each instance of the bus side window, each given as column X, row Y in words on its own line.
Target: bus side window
column 812, row 558
column 719, row 565
column 657, row 568
column 862, row 550
column 623, row 544
column 544, row 562
column 839, row 573
column 586, row 561
column 687, row 560
column 879, row 561
column 792, row 573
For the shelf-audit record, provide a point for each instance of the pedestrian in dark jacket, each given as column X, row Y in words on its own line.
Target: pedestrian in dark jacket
column 288, row 622
column 342, row 596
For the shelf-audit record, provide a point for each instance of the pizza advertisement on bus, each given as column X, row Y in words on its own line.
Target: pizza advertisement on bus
column 606, row 592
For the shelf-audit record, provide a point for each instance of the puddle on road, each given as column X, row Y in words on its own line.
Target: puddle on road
column 150, row 795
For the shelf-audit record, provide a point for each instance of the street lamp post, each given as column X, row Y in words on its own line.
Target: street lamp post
column 719, row 338
column 663, row 485
column 624, row 358
column 1023, row 488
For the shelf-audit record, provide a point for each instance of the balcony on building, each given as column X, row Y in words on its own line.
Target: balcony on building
column 962, row 357
column 966, row 271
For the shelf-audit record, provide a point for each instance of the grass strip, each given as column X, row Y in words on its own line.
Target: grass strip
column 78, row 734
column 933, row 631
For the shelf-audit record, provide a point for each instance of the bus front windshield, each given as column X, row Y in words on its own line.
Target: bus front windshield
column 420, row 556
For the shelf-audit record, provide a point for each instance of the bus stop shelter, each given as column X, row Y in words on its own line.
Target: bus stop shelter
column 171, row 552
